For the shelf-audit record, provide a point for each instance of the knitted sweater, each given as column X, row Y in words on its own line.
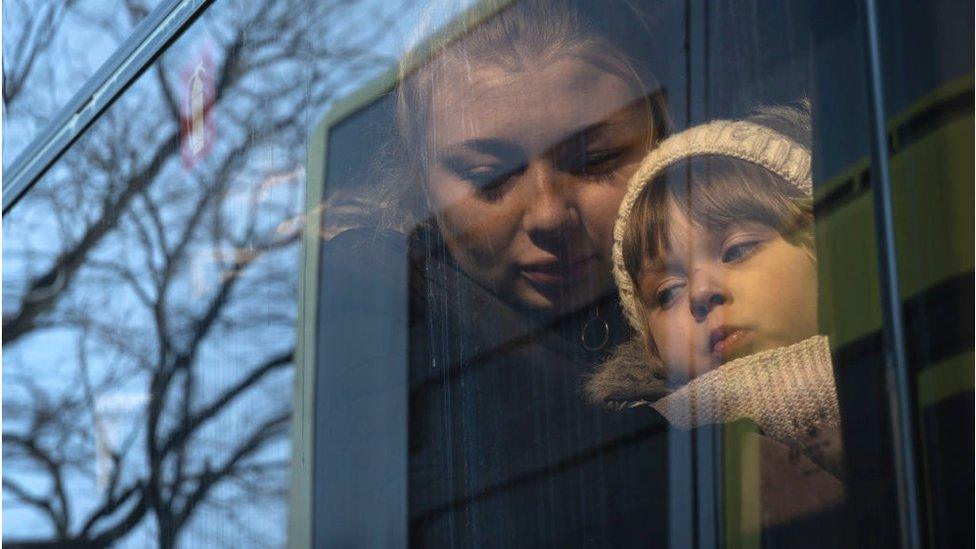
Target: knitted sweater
column 788, row 392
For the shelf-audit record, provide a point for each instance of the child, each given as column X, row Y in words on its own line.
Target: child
column 714, row 260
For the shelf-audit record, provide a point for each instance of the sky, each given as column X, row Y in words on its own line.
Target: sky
column 86, row 39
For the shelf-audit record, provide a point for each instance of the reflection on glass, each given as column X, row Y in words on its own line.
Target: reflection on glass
column 49, row 50
column 431, row 324
column 512, row 144
column 150, row 289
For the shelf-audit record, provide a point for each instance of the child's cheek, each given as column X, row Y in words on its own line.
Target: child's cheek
column 674, row 341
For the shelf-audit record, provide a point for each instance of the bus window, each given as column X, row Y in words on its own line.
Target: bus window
column 493, row 273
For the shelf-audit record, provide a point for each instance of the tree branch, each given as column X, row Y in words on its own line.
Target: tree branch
column 260, row 436
column 61, row 521
column 180, row 435
column 70, row 261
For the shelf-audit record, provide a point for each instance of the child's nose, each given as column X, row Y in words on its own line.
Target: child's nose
column 706, row 293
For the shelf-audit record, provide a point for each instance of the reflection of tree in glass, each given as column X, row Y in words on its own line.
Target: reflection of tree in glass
column 50, row 49
column 37, row 29
column 149, row 313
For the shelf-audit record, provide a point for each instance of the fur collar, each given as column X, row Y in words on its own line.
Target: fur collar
column 627, row 377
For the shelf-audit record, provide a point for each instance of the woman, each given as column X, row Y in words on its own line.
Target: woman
column 515, row 145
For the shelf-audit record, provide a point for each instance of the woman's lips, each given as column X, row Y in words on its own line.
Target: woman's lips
column 725, row 342
column 557, row 273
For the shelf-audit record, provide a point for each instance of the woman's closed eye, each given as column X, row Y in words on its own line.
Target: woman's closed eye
column 486, row 178
column 596, row 164
column 482, row 176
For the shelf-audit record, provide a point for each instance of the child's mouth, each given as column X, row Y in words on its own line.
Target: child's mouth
column 725, row 342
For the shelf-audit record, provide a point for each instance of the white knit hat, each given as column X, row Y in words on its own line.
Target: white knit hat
column 733, row 138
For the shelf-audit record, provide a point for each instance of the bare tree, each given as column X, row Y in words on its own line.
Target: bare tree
column 131, row 276
column 32, row 41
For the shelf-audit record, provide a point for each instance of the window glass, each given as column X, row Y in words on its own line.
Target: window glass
column 50, row 49
column 928, row 93
column 150, row 285
column 478, row 282
column 485, row 307
column 505, row 273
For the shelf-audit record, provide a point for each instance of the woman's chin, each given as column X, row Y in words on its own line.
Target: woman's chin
column 554, row 300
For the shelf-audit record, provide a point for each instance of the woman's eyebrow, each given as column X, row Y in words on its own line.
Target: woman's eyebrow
column 593, row 129
column 509, row 151
column 487, row 145
column 587, row 134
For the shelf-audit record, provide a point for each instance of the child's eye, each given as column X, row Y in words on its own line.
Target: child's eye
column 667, row 295
column 739, row 251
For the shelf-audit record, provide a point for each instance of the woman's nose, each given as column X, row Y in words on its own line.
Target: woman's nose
column 549, row 210
column 706, row 293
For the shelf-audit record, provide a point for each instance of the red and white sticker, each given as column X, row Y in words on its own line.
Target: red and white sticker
column 196, row 106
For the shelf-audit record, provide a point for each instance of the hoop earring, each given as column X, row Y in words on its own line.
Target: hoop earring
column 596, row 332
